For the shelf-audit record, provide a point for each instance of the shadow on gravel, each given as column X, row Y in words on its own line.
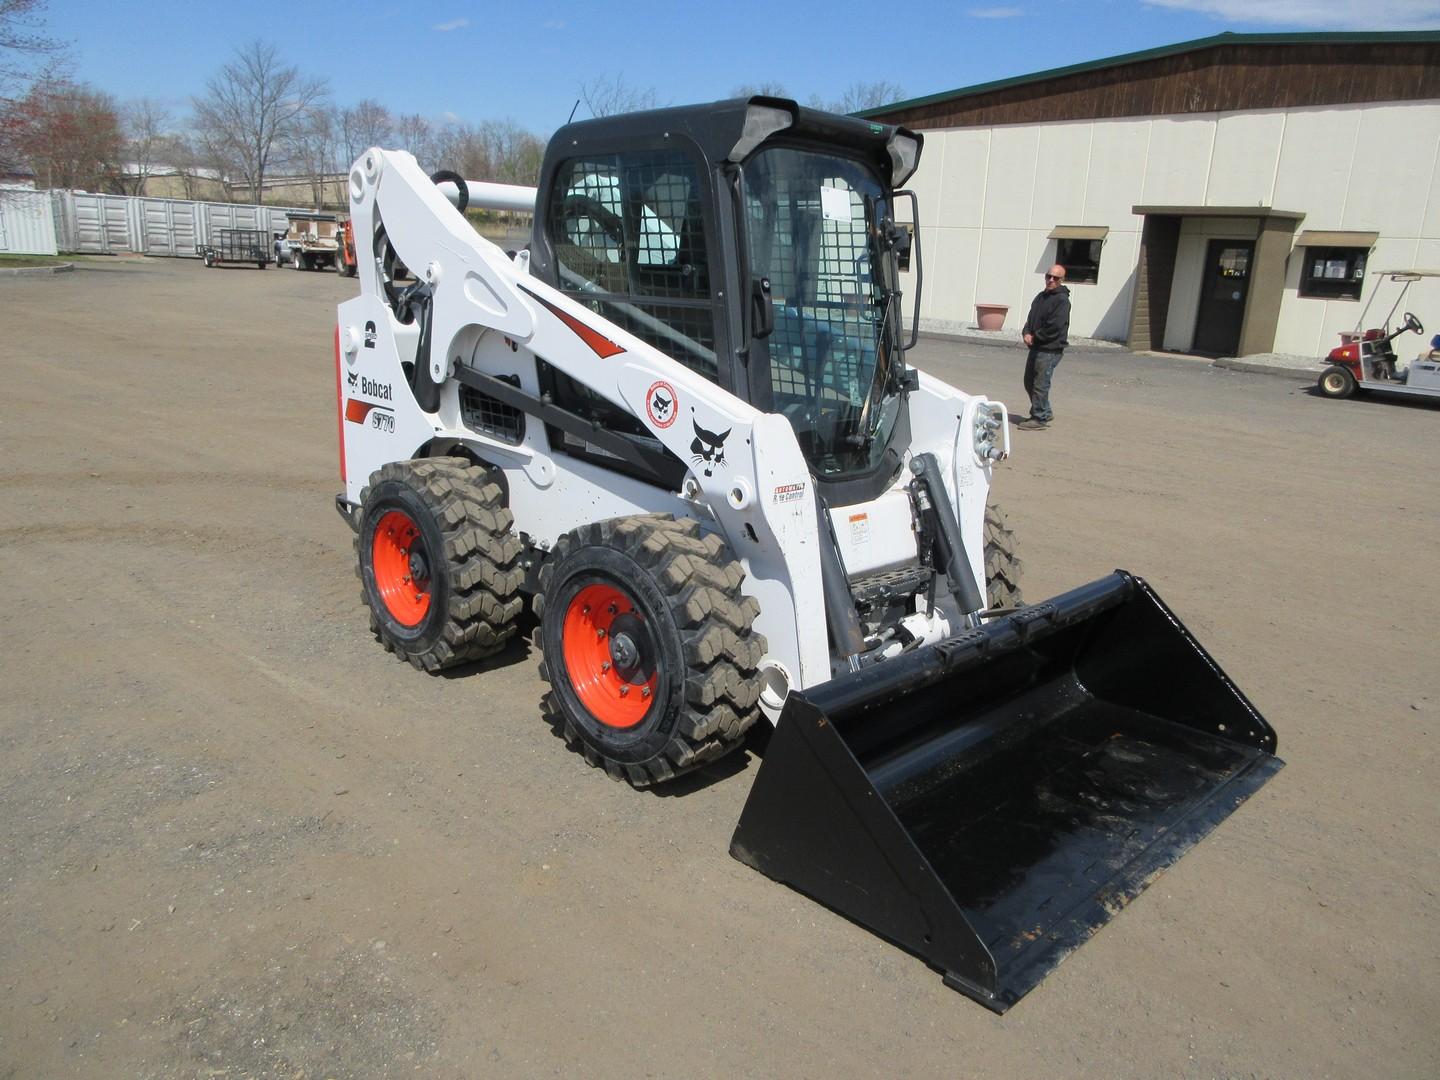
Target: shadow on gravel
column 517, row 652
column 1380, row 398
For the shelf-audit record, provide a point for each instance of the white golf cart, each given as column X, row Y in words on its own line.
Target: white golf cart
column 1365, row 360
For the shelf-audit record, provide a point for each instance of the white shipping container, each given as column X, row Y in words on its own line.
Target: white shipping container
column 27, row 221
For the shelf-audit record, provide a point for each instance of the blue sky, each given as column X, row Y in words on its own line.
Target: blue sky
column 524, row 61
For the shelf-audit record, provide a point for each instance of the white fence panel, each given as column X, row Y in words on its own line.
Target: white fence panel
column 27, row 222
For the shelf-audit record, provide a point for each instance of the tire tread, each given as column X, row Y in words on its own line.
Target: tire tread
column 700, row 580
column 481, row 552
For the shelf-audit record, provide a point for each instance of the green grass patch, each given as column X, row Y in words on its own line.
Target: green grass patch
column 10, row 261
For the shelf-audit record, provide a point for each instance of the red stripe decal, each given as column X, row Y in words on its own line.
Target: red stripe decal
column 602, row 346
column 356, row 410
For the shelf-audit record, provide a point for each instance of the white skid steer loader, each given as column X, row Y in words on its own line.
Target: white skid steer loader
column 681, row 423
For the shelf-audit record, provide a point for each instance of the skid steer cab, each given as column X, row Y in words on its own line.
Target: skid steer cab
column 681, row 427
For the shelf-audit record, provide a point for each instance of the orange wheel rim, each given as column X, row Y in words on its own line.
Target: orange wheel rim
column 610, row 656
column 402, row 567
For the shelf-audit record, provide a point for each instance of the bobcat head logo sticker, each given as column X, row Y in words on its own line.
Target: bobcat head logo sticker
column 660, row 404
column 708, row 448
column 354, row 378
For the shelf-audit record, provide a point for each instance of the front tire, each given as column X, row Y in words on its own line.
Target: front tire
column 438, row 562
column 1002, row 566
column 649, row 647
column 1336, row 382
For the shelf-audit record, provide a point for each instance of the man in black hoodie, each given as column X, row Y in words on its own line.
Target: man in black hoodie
column 1046, row 332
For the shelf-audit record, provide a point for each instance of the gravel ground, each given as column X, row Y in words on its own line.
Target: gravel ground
column 237, row 839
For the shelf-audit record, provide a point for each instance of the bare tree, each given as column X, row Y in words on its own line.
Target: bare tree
column 312, row 149
column 415, row 134
column 764, row 88
column 493, row 150
column 179, row 150
column 23, row 46
column 70, row 134
column 252, row 106
column 362, row 126
column 606, row 96
column 863, row 95
column 27, row 58
column 146, row 123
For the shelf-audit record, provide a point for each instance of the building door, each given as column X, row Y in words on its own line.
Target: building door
column 1222, row 297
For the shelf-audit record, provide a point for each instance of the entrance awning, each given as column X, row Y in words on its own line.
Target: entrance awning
column 1319, row 238
column 1218, row 211
column 1079, row 232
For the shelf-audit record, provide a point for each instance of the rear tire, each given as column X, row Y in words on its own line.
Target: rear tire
column 1336, row 382
column 438, row 562
column 1002, row 566
column 649, row 647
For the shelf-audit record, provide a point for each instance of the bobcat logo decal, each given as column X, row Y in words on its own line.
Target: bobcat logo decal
column 660, row 404
column 354, row 378
column 708, row 448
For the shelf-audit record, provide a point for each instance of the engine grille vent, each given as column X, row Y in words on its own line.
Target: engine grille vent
column 492, row 417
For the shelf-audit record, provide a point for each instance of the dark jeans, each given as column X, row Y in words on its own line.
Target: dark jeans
column 1040, row 368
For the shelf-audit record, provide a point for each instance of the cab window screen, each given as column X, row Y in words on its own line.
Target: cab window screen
column 628, row 233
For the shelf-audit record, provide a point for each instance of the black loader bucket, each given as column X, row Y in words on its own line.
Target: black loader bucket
column 989, row 803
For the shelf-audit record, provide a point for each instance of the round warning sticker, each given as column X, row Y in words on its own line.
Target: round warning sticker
column 660, row 404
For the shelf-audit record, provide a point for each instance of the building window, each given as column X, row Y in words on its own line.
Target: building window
column 1080, row 258
column 1333, row 273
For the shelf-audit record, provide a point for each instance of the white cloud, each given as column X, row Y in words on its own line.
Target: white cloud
column 553, row 24
column 1317, row 14
column 995, row 12
column 453, row 24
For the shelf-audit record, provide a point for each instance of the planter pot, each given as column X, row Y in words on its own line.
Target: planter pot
column 991, row 316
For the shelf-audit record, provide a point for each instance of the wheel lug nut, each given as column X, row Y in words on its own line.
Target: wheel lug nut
column 600, row 633
column 605, row 666
column 625, row 690
column 612, row 609
column 406, row 579
column 585, row 610
column 645, row 691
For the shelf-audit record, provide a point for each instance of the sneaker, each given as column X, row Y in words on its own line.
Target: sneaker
column 1031, row 424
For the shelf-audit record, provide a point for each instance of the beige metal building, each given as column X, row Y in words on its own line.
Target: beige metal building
column 1228, row 196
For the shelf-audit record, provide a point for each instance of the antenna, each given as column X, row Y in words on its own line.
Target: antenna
column 572, row 110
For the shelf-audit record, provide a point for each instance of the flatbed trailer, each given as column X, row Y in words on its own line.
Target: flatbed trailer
column 237, row 246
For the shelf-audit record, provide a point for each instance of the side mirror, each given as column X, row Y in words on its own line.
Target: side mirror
column 918, row 265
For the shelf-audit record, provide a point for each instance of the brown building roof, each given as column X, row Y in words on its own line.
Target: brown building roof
column 1223, row 73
